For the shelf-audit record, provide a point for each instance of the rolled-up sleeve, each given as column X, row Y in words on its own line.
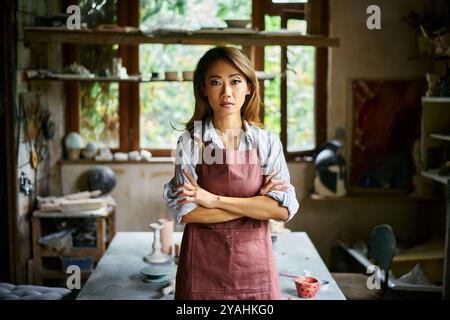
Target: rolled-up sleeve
column 276, row 161
column 183, row 160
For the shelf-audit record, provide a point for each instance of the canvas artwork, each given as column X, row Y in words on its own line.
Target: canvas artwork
column 385, row 126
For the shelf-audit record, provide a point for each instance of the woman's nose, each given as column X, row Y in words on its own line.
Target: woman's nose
column 226, row 91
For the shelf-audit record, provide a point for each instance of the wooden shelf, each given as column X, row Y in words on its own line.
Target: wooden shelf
column 112, row 162
column 55, row 274
column 430, row 57
column 440, row 136
column 432, row 174
column 374, row 198
column 56, row 77
column 74, row 252
column 436, row 99
column 201, row 37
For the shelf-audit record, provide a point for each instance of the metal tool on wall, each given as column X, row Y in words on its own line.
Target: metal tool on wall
column 23, row 116
column 47, row 130
column 25, row 184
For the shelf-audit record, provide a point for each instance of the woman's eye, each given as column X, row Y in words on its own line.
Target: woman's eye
column 214, row 82
column 236, row 81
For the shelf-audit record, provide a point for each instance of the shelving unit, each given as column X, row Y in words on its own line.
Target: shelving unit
column 440, row 136
column 246, row 37
column 433, row 175
column 365, row 199
column 103, row 239
column 131, row 78
column 435, row 124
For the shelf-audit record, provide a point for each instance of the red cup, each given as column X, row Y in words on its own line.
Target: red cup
column 307, row 287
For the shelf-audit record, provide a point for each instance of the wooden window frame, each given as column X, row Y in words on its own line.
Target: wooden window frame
column 315, row 12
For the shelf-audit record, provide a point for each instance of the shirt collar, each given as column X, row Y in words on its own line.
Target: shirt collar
column 211, row 135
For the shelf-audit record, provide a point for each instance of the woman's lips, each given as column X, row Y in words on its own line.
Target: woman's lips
column 226, row 104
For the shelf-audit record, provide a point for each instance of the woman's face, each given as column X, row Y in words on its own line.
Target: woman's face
column 225, row 88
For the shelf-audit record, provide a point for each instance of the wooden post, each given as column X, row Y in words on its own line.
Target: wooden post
column 37, row 260
column 111, row 225
column 446, row 278
column 100, row 237
column 257, row 53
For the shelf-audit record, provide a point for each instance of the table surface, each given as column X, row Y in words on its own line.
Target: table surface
column 117, row 274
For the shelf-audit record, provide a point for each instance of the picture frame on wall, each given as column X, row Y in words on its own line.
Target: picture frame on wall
column 384, row 125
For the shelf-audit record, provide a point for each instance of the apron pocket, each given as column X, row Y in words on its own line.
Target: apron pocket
column 230, row 261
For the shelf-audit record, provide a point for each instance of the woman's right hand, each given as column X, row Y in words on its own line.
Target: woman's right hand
column 271, row 184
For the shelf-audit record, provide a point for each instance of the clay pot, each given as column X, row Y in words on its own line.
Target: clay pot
column 307, row 287
column 167, row 235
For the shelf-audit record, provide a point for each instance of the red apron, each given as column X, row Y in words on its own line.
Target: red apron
column 234, row 259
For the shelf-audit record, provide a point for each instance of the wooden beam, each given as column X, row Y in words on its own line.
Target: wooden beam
column 257, row 52
column 321, row 78
column 316, row 13
column 283, row 90
column 43, row 34
column 276, row 9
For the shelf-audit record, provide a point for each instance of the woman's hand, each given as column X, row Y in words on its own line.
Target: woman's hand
column 195, row 193
column 272, row 185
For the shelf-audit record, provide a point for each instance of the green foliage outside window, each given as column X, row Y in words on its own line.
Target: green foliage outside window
column 99, row 109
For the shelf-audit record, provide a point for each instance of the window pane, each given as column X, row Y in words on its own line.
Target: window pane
column 166, row 102
column 300, row 99
column 99, row 109
column 99, row 116
column 272, row 100
column 272, row 65
column 201, row 11
column 163, row 105
column 300, row 94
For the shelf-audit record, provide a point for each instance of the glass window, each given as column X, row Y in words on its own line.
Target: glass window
column 300, row 94
column 272, row 65
column 99, row 109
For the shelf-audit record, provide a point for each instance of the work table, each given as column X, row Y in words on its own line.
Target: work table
column 117, row 274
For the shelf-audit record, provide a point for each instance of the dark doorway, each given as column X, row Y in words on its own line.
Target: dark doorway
column 7, row 149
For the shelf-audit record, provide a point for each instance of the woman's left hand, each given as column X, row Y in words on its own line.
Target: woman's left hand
column 195, row 193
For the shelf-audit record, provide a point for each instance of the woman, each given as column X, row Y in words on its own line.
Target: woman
column 230, row 179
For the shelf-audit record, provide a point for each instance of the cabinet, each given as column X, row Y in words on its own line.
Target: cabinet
column 435, row 147
column 104, row 233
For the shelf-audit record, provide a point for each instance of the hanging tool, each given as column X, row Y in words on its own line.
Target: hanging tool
column 24, row 117
column 25, row 184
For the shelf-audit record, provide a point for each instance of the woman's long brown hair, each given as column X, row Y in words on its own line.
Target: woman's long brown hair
column 252, row 103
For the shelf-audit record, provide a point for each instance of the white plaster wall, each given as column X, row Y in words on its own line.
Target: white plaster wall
column 138, row 191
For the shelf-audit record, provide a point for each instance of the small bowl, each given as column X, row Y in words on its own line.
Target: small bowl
column 171, row 75
column 237, row 23
column 188, row 75
column 307, row 287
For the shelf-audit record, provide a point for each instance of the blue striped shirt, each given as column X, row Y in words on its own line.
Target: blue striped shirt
column 270, row 153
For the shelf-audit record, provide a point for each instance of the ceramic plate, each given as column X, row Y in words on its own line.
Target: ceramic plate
column 155, row 271
column 163, row 279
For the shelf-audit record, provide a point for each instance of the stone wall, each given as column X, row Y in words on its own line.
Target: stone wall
column 38, row 96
